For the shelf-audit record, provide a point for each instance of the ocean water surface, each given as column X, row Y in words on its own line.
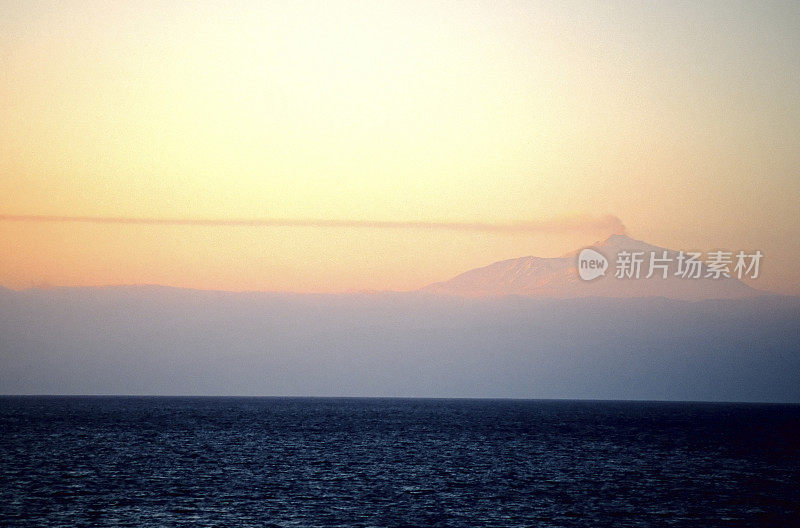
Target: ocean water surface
column 307, row 462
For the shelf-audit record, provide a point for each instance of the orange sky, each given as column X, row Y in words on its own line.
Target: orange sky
column 681, row 120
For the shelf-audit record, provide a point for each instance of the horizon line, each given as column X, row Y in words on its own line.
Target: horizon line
column 396, row 397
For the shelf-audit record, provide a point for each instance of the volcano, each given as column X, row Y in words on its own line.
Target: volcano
column 558, row 277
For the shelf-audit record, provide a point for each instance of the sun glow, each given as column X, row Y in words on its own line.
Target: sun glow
column 378, row 111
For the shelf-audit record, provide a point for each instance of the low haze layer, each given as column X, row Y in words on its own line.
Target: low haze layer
column 148, row 340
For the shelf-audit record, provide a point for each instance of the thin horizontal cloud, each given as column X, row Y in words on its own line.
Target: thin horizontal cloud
column 573, row 223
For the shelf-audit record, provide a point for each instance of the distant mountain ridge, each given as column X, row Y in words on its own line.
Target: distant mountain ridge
column 531, row 276
column 558, row 278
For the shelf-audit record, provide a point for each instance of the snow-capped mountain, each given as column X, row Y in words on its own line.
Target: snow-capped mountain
column 558, row 277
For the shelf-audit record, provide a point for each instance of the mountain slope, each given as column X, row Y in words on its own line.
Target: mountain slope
column 558, row 277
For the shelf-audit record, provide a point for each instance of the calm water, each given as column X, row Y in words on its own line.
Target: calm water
column 100, row 461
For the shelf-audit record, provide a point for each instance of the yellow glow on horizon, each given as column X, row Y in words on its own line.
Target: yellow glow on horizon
column 681, row 120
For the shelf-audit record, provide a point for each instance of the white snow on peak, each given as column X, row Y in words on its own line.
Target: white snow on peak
column 558, row 277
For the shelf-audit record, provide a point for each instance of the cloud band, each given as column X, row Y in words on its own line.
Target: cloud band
column 573, row 223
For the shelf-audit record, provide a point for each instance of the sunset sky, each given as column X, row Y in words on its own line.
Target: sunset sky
column 394, row 139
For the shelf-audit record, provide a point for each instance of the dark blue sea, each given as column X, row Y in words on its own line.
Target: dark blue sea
column 305, row 462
